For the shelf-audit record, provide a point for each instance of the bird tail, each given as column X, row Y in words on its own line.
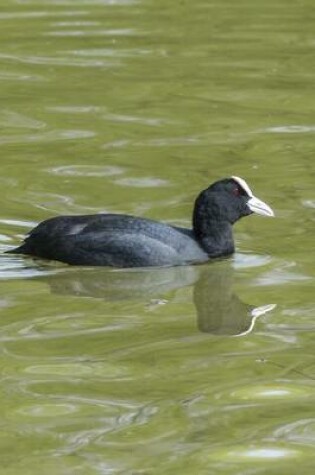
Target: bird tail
column 24, row 249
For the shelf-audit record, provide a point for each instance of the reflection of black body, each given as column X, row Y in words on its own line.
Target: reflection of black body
column 116, row 285
column 127, row 241
column 219, row 310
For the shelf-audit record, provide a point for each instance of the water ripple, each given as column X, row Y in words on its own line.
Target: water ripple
column 301, row 432
column 271, row 392
column 91, row 33
column 60, row 61
column 88, row 2
column 260, row 453
column 50, row 136
column 75, row 23
column 281, row 275
column 104, row 370
column 309, row 204
column 19, row 76
column 116, row 53
column 40, row 14
column 160, row 142
column 87, row 170
column 17, row 120
column 47, row 410
column 241, row 261
column 74, row 109
column 152, row 121
column 144, row 182
column 45, row 328
column 290, row 129
column 15, row 267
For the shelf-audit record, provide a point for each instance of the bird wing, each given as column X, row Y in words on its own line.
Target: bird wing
column 116, row 249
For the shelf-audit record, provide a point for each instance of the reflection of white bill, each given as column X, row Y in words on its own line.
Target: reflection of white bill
column 255, row 313
column 258, row 311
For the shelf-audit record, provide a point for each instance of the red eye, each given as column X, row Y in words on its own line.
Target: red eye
column 236, row 191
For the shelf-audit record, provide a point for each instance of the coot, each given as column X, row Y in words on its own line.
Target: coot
column 127, row 241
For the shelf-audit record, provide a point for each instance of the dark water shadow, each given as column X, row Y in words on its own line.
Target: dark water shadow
column 218, row 309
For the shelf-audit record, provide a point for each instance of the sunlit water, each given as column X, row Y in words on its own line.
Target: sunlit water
column 135, row 106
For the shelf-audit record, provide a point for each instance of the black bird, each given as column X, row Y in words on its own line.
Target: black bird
column 128, row 241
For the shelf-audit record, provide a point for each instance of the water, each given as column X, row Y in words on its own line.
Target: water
column 135, row 106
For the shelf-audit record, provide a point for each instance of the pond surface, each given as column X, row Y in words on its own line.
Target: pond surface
column 134, row 107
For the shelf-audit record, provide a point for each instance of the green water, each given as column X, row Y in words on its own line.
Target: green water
column 135, row 106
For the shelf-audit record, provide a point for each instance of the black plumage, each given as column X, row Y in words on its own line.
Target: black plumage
column 128, row 241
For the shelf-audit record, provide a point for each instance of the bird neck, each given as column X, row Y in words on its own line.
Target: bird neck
column 214, row 235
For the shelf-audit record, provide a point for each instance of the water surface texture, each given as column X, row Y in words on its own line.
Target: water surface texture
column 135, row 106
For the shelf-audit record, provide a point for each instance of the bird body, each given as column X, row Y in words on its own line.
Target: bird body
column 127, row 241
column 110, row 240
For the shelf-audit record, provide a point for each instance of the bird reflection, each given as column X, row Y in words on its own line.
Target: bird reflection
column 219, row 310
